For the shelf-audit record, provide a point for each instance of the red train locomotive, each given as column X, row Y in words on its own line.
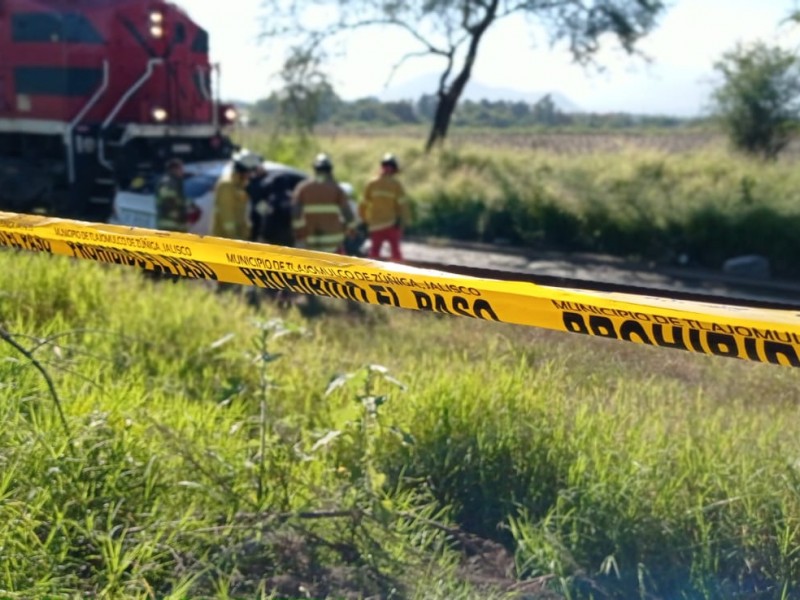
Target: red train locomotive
column 96, row 92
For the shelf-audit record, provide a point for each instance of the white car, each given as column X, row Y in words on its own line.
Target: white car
column 138, row 208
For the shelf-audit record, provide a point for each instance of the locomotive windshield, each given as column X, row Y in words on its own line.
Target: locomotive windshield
column 68, row 27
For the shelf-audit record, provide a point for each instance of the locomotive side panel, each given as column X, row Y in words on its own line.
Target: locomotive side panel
column 96, row 93
column 54, row 55
column 52, row 61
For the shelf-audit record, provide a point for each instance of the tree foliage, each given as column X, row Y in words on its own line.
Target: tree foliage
column 454, row 29
column 757, row 101
column 334, row 111
column 305, row 91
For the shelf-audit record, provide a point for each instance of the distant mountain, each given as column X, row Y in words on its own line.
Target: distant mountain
column 475, row 90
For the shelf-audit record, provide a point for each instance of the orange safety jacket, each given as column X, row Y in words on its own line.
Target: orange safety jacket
column 320, row 212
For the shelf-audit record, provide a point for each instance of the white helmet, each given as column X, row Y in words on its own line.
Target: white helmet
column 347, row 189
column 247, row 160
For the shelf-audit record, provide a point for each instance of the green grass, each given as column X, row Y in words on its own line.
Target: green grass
column 200, row 464
column 645, row 197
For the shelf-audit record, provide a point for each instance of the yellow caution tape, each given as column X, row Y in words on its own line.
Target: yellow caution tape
column 762, row 335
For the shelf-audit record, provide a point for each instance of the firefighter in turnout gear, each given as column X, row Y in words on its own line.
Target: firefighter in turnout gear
column 172, row 207
column 231, row 218
column 321, row 210
column 384, row 209
column 174, row 212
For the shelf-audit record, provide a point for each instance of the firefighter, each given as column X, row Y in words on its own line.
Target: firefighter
column 321, row 210
column 270, row 209
column 231, row 202
column 258, row 211
column 271, row 220
column 385, row 210
column 173, row 211
column 321, row 215
column 231, row 219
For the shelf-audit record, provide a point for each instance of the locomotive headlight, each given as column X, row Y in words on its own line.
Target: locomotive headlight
column 156, row 17
column 156, row 31
column 230, row 115
column 160, row 115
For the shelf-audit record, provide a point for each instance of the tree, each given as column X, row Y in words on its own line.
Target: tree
column 426, row 106
column 520, row 110
column 454, row 30
column 402, row 111
column 306, row 92
column 758, row 99
column 545, row 111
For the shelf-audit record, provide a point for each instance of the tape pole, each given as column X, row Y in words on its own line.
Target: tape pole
column 749, row 333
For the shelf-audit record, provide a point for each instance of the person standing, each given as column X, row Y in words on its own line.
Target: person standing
column 256, row 188
column 231, row 218
column 172, row 207
column 271, row 218
column 174, row 212
column 321, row 210
column 270, row 209
column 322, row 216
column 385, row 210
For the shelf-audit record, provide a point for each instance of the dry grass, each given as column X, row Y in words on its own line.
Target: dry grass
column 653, row 197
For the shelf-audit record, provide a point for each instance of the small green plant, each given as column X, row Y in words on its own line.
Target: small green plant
column 268, row 332
column 356, row 441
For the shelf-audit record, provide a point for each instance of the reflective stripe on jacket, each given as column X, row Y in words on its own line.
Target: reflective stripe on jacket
column 383, row 206
column 319, row 209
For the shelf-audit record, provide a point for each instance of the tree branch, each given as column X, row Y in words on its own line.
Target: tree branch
column 43, row 342
column 179, row 446
column 446, row 74
column 402, row 61
column 51, row 386
column 513, row 7
column 432, row 48
column 75, row 373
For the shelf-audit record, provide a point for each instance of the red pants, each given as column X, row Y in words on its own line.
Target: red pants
column 391, row 235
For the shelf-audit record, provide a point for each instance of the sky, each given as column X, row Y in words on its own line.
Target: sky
column 677, row 79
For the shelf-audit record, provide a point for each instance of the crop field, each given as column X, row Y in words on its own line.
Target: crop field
column 194, row 447
column 559, row 142
column 652, row 197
